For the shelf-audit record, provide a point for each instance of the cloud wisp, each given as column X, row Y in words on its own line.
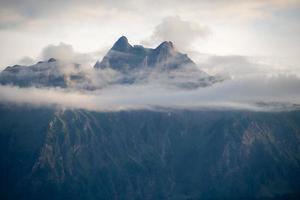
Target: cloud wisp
column 66, row 53
column 175, row 29
column 256, row 94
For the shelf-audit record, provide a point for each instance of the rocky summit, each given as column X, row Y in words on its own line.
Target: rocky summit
column 129, row 64
column 123, row 56
column 163, row 65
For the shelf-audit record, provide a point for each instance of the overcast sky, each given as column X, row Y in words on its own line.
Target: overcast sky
column 267, row 28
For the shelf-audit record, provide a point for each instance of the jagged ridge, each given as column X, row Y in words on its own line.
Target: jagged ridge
column 123, row 56
column 163, row 65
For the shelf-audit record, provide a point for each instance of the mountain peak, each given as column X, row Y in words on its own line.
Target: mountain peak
column 166, row 48
column 164, row 56
column 122, row 44
column 164, row 51
column 166, row 44
column 52, row 60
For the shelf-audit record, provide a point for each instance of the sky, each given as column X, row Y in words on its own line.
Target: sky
column 266, row 29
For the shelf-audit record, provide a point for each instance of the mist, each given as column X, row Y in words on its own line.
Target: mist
column 256, row 94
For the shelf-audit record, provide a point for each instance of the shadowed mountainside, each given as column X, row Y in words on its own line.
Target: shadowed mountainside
column 75, row 154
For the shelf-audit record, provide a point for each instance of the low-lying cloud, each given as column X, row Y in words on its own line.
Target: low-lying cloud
column 257, row 94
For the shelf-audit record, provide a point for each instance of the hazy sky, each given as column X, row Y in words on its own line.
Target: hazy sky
column 223, row 27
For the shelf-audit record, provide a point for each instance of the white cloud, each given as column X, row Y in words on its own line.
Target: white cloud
column 26, row 61
column 66, row 53
column 182, row 33
column 277, row 92
column 18, row 12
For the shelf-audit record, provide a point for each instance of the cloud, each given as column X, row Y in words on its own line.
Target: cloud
column 234, row 66
column 237, row 66
column 18, row 12
column 26, row 61
column 66, row 53
column 257, row 94
column 182, row 33
column 10, row 18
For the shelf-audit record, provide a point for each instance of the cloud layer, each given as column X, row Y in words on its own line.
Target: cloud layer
column 17, row 12
column 257, row 94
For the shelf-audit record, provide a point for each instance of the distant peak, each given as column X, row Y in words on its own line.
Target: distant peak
column 52, row 60
column 122, row 44
column 166, row 45
column 165, row 49
column 123, row 38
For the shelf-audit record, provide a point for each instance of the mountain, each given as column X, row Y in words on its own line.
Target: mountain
column 176, row 154
column 51, row 73
column 164, row 65
column 123, row 57
column 127, row 64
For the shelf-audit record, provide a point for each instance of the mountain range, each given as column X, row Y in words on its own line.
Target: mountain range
column 57, row 153
column 129, row 64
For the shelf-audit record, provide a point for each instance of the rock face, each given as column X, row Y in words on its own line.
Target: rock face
column 163, row 65
column 129, row 64
column 51, row 73
column 40, row 74
column 75, row 154
column 123, row 57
